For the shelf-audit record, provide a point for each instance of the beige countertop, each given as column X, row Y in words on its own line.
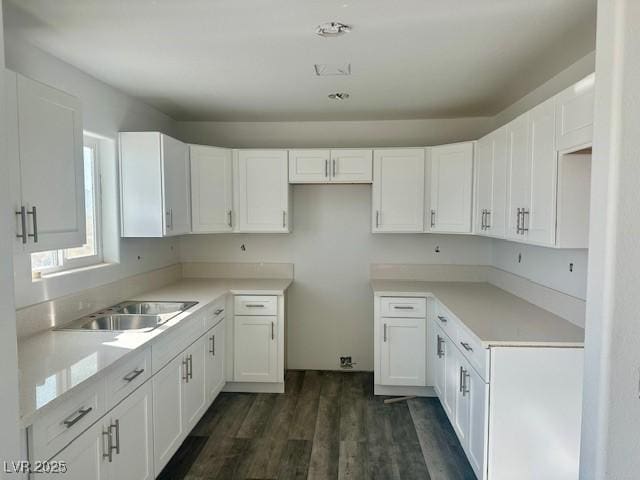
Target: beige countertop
column 54, row 362
column 495, row 316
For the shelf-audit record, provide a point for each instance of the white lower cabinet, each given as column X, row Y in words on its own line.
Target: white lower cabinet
column 255, row 348
column 402, row 352
column 194, row 397
column 477, row 433
column 214, row 376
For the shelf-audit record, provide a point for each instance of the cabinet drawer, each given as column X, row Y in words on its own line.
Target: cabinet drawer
column 403, row 307
column 472, row 349
column 176, row 341
column 57, row 428
column 215, row 314
column 256, row 305
column 447, row 320
column 127, row 377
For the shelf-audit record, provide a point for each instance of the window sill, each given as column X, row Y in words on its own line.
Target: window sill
column 71, row 271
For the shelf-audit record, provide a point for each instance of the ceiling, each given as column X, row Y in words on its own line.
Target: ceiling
column 252, row 60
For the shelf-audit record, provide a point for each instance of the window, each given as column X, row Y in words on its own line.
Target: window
column 91, row 252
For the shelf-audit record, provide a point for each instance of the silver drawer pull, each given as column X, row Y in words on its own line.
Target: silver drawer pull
column 218, row 311
column 466, row 346
column 400, row 307
column 254, row 305
column 130, row 377
column 79, row 415
column 442, row 319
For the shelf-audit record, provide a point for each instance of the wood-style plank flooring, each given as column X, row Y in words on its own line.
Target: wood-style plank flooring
column 328, row 425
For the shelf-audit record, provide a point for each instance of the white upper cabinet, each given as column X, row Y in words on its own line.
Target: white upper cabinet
column 47, row 167
column 491, row 184
column 262, row 191
column 309, row 166
column 211, row 189
column 398, row 190
column 574, row 111
column 519, row 168
column 330, row 166
column 451, row 188
column 154, row 185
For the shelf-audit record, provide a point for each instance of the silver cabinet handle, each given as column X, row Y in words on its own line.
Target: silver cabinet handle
column 34, row 219
column 218, row 311
column 185, row 364
column 482, row 219
column 334, row 167
column 487, row 225
column 254, row 305
column 230, row 215
column 384, row 333
column 190, row 365
column 377, row 218
column 442, row 319
column 403, row 307
column 23, row 224
column 76, row 417
column 524, row 229
column 518, row 221
column 169, row 222
column 133, row 375
column 116, row 425
column 171, row 216
column 465, row 385
column 466, row 346
column 212, row 338
column 326, row 167
column 433, row 218
column 439, row 346
column 460, row 379
column 273, row 331
column 284, row 219
column 109, row 453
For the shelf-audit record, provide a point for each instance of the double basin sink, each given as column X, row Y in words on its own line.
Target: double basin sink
column 130, row 315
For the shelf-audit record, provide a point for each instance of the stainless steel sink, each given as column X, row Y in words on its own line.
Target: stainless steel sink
column 130, row 315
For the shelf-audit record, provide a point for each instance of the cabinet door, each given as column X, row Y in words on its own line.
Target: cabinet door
column 574, row 108
column 398, row 190
column 403, row 351
column 168, row 426
column 541, row 219
column 309, row 166
column 134, row 457
column 484, row 183
column 451, row 183
column 351, row 166
column 477, row 435
column 263, row 191
column 211, row 189
column 451, row 379
column 440, row 345
column 214, row 366
column 255, row 348
column 497, row 214
column 519, row 166
column 51, row 165
column 83, row 456
column 461, row 410
column 175, row 179
column 194, row 395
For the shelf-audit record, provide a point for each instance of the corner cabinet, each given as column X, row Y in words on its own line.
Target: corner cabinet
column 262, row 191
column 451, row 188
column 398, row 190
column 330, row 166
column 211, row 189
column 154, row 185
column 46, row 165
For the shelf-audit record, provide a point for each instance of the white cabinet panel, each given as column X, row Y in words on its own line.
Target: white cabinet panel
column 574, row 110
column 461, row 403
column 451, row 379
column 451, row 188
column 214, row 370
column 262, row 188
column 211, row 189
column 351, row 166
column 50, row 139
column 194, row 395
column 168, row 424
column 176, row 180
column 491, row 184
column 133, row 457
column 309, row 166
column 519, row 167
column 484, row 183
column 477, row 435
column 255, row 348
column 398, row 190
column 403, row 351
column 439, row 345
column 83, row 457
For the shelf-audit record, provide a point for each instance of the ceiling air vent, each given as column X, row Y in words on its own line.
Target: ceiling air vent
column 332, row 29
column 339, row 96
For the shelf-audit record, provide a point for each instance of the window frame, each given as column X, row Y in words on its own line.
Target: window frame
column 63, row 262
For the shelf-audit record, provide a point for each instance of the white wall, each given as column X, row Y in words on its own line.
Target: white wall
column 611, row 403
column 330, row 304
column 383, row 133
column 105, row 112
column 9, row 438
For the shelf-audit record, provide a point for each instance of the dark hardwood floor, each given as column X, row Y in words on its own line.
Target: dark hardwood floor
column 328, row 425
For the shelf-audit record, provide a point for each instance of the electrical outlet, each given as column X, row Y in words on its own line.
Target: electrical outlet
column 345, row 362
